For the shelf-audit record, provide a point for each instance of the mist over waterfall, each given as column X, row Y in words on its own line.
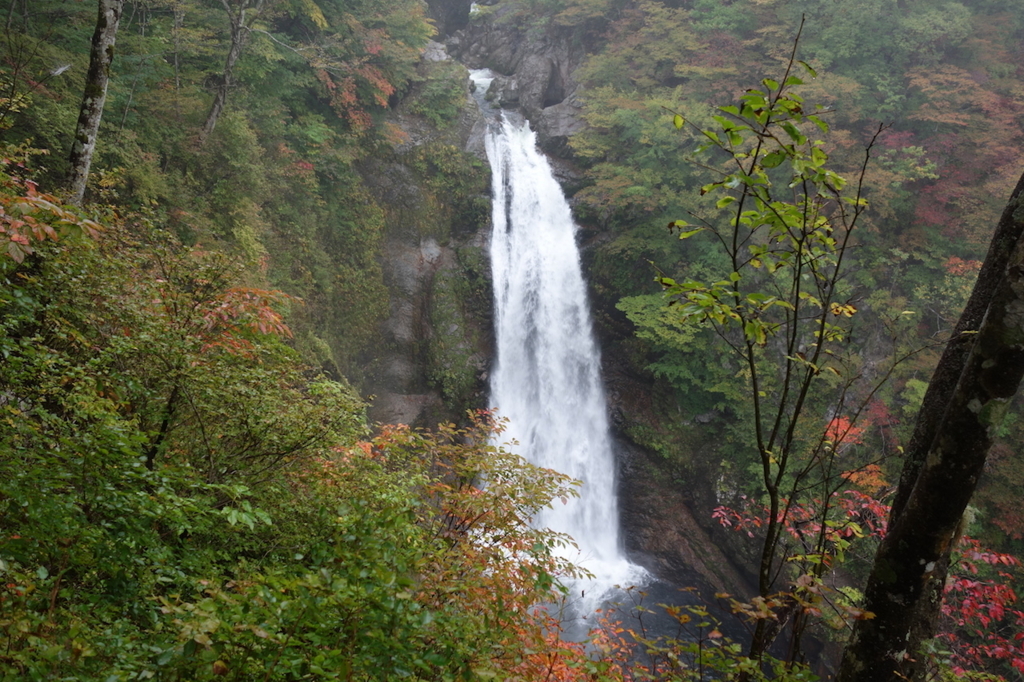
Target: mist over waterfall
column 547, row 377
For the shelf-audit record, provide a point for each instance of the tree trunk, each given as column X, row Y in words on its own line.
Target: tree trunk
column 239, row 33
column 101, row 55
column 951, row 365
column 973, row 386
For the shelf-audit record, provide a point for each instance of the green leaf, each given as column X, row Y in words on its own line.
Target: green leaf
column 770, row 83
column 794, row 133
column 793, row 80
column 807, row 67
column 690, row 233
column 678, row 121
column 818, row 122
column 755, row 99
column 726, row 124
column 773, row 159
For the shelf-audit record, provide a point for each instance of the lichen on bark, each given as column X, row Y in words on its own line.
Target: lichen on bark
column 977, row 375
column 101, row 55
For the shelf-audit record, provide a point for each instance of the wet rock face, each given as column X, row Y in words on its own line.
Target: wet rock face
column 409, row 386
column 435, row 342
column 431, row 362
column 661, row 532
column 666, row 497
column 666, row 513
column 534, row 75
column 449, row 15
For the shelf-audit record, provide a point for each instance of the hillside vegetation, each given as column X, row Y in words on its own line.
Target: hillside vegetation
column 189, row 488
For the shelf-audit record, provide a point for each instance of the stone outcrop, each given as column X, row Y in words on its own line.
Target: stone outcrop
column 436, row 341
column 661, row 532
column 534, row 74
column 666, row 502
column 449, row 16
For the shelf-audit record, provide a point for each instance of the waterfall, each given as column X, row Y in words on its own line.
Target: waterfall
column 547, row 379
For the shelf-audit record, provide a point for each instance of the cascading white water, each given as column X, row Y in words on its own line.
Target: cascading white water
column 547, row 377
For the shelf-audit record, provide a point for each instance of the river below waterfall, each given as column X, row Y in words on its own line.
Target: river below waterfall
column 547, row 376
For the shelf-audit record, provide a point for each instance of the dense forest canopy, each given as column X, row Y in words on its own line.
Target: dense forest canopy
column 188, row 485
column 937, row 182
column 926, row 72
column 305, row 101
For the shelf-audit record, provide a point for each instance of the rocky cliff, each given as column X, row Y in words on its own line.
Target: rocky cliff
column 437, row 340
column 534, row 73
column 431, row 363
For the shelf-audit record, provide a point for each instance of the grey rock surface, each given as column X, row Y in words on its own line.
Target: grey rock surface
column 534, row 74
column 449, row 15
column 408, row 375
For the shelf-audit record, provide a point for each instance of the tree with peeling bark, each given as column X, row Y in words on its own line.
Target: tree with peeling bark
column 101, row 56
column 970, row 391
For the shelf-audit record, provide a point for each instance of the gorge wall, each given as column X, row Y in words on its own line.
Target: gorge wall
column 437, row 339
column 431, row 362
